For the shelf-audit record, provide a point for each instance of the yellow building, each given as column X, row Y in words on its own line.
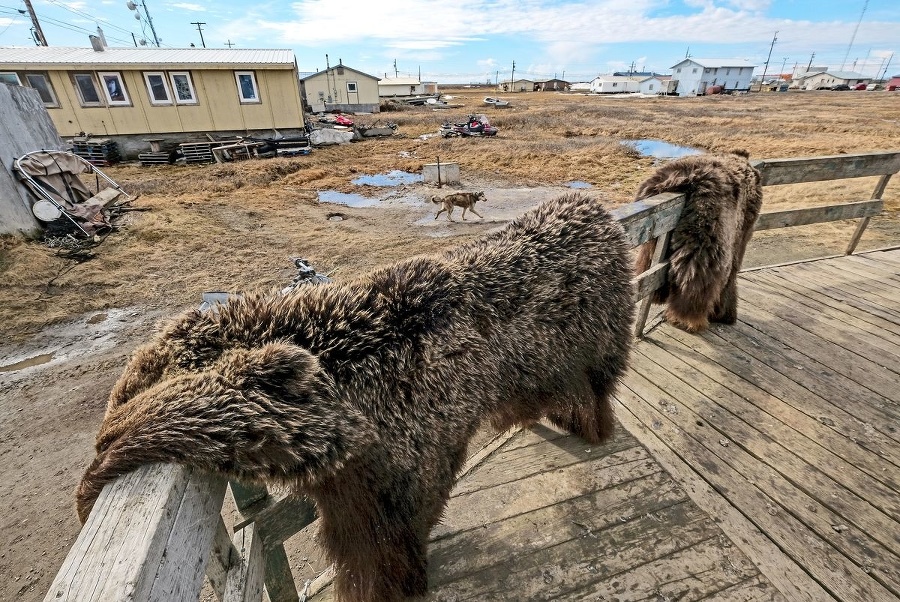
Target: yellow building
column 132, row 94
column 340, row 88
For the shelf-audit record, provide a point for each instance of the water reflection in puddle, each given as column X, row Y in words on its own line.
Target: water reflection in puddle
column 391, row 178
column 578, row 184
column 661, row 149
column 351, row 200
column 27, row 363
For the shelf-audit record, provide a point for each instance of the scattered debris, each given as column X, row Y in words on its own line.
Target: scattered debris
column 474, row 125
column 495, row 102
column 63, row 200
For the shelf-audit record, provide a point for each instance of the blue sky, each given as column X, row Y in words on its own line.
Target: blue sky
column 468, row 41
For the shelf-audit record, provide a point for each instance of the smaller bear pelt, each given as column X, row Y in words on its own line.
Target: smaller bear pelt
column 364, row 394
column 723, row 197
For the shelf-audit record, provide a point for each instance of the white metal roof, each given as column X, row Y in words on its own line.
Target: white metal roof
column 399, row 81
column 718, row 63
column 62, row 56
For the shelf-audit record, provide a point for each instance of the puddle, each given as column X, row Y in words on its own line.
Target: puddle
column 97, row 318
column 27, row 363
column 661, row 149
column 351, row 200
column 578, row 184
column 391, row 178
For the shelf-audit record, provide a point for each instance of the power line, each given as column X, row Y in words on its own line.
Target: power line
column 75, row 11
column 200, row 29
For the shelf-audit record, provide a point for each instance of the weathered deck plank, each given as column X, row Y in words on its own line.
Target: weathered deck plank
column 786, row 424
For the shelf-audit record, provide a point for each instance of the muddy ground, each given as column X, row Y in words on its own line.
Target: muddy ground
column 67, row 326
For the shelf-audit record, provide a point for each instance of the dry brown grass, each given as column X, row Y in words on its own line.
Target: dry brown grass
column 234, row 226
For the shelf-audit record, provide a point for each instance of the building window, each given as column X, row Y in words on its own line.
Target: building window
column 728, row 72
column 351, row 86
column 708, row 71
column 87, row 90
column 39, row 82
column 10, row 77
column 695, row 70
column 114, row 89
column 615, row 84
column 183, row 87
column 246, row 82
column 650, row 87
column 156, row 86
column 678, row 70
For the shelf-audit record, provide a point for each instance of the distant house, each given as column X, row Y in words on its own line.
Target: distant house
column 657, row 84
column 340, row 88
column 826, row 79
column 551, row 85
column 694, row 76
column 614, row 84
column 130, row 94
column 519, row 85
column 893, row 83
column 400, row 86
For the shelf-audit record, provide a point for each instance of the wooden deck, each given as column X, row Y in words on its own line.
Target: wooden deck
column 758, row 461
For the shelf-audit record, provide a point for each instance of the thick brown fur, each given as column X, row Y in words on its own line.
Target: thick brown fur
column 466, row 200
column 723, row 200
column 364, row 395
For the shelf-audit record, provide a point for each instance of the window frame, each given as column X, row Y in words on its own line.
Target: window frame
column 190, row 82
column 168, row 101
column 354, row 90
column 102, row 75
column 54, row 103
column 78, row 91
column 243, row 100
column 14, row 74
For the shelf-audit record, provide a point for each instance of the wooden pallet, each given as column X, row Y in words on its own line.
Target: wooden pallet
column 198, row 152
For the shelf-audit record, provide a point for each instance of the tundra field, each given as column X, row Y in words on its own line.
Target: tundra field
column 236, row 226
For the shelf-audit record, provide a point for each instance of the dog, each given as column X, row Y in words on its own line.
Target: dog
column 466, row 200
column 723, row 200
column 364, row 395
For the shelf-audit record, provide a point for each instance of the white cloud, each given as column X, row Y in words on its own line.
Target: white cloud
column 189, row 6
column 486, row 63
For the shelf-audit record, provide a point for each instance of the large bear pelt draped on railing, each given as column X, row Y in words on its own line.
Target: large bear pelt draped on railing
column 364, row 394
column 723, row 199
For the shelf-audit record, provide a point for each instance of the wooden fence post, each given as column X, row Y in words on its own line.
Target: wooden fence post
column 876, row 194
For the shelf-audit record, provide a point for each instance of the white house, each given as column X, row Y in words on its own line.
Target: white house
column 694, row 76
column 826, row 79
column 656, row 84
column 614, row 84
column 400, row 86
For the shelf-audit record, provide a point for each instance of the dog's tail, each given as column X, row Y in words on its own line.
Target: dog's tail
column 436, row 199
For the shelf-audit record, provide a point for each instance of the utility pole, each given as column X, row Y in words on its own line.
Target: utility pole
column 766, row 68
column 395, row 68
column 884, row 74
column 853, row 37
column 809, row 66
column 38, row 32
column 150, row 22
column 497, row 78
column 200, row 29
column 783, row 63
column 687, row 53
column 229, row 43
column 512, row 76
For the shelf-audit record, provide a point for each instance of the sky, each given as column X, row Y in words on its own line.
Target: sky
column 479, row 41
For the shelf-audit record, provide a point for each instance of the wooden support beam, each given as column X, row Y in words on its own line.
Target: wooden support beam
column 220, row 559
column 876, row 194
column 253, row 501
column 836, row 167
column 246, row 575
column 280, row 518
column 649, row 281
column 148, row 538
column 662, row 247
column 817, row 215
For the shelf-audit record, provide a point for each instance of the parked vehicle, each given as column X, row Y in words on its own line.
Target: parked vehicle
column 839, row 87
column 859, row 87
column 872, row 87
column 474, row 125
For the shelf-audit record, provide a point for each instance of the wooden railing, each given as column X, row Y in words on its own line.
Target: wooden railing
column 154, row 532
column 774, row 172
